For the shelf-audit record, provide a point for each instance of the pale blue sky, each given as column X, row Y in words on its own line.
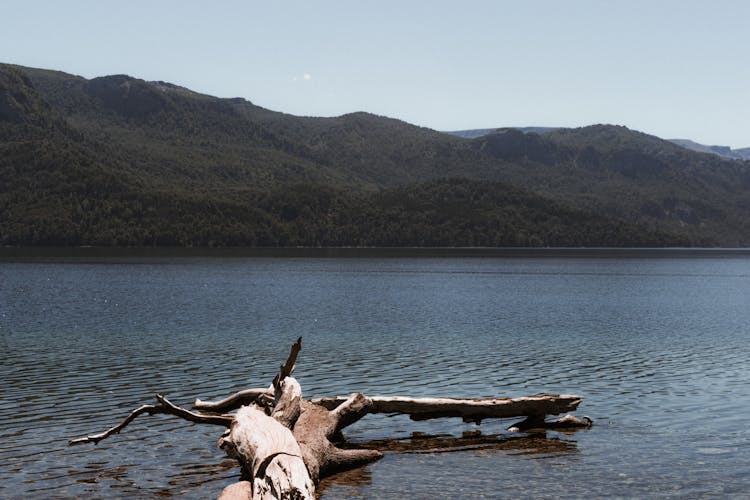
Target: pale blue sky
column 676, row 69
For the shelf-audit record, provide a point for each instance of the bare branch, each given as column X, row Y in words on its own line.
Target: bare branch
column 164, row 407
column 248, row 396
column 236, row 400
column 95, row 438
column 223, row 420
column 287, row 368
column 354, row 408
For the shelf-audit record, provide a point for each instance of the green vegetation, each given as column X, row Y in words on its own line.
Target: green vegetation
column 120, row 161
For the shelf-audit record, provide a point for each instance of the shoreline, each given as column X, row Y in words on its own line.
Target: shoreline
column 40, row 252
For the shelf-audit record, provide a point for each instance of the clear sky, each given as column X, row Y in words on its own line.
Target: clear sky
column 673, row 68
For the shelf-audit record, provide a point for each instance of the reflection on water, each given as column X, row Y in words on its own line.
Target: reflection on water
column 535, row 444
column 356, row 478
column 658, row 347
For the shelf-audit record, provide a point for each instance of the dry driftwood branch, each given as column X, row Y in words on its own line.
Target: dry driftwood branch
column 248, row 396
column 285, row 444
column 288, row 367
column 223, row 420
column 233, row 402
column 95, row 438
column 164, row 407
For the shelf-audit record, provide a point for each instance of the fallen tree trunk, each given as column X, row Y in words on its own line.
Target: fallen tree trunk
column 285, row 444
column 269, row 456
column 471, row 410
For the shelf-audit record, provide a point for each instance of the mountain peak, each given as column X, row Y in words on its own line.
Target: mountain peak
column 128, row 96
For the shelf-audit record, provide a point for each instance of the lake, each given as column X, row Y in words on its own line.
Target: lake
column 656, row 342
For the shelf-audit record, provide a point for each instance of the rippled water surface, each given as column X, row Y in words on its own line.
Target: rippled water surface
column 657, row 346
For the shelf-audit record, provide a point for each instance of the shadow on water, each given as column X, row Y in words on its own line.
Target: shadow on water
column 532, row 445
column 537, row 443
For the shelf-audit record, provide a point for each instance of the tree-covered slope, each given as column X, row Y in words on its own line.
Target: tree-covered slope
column 614, row 171
column 117, row 160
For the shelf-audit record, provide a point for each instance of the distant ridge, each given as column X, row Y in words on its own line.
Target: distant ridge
column 725, row 151
column 479, row 132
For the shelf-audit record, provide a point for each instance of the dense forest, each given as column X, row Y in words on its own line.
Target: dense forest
column 120, row 161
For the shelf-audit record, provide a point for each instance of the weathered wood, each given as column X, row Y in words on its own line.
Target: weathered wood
column 317, row 427
column 241, row 490
column 95, row 438
column 287, row 408
column 571, row 422
column 270, row 453
column 269, row 456
column 235, row 401
column 469, row 409
column 288, row 367
column 196, row 418
column 164, row 407
column 285, row 444
column 539, row 422
column 248, row 396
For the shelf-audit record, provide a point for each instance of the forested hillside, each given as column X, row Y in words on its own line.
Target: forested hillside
column 120, row 161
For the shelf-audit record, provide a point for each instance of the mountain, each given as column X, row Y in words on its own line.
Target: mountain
column 479, row 132
column 117, row 160
column 614, row 171
column 725, row 151
column 471, row 134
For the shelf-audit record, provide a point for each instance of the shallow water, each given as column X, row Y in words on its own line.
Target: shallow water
column 658, row 347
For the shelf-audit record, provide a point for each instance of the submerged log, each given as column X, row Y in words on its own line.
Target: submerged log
column 539, row 422
column 285, row 445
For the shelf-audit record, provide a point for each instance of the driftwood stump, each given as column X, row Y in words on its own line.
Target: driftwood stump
column 285, row 445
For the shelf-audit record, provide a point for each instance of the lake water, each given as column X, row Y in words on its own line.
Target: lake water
column 657, row 344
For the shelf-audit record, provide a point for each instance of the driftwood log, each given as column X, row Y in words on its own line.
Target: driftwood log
column 285, row 444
